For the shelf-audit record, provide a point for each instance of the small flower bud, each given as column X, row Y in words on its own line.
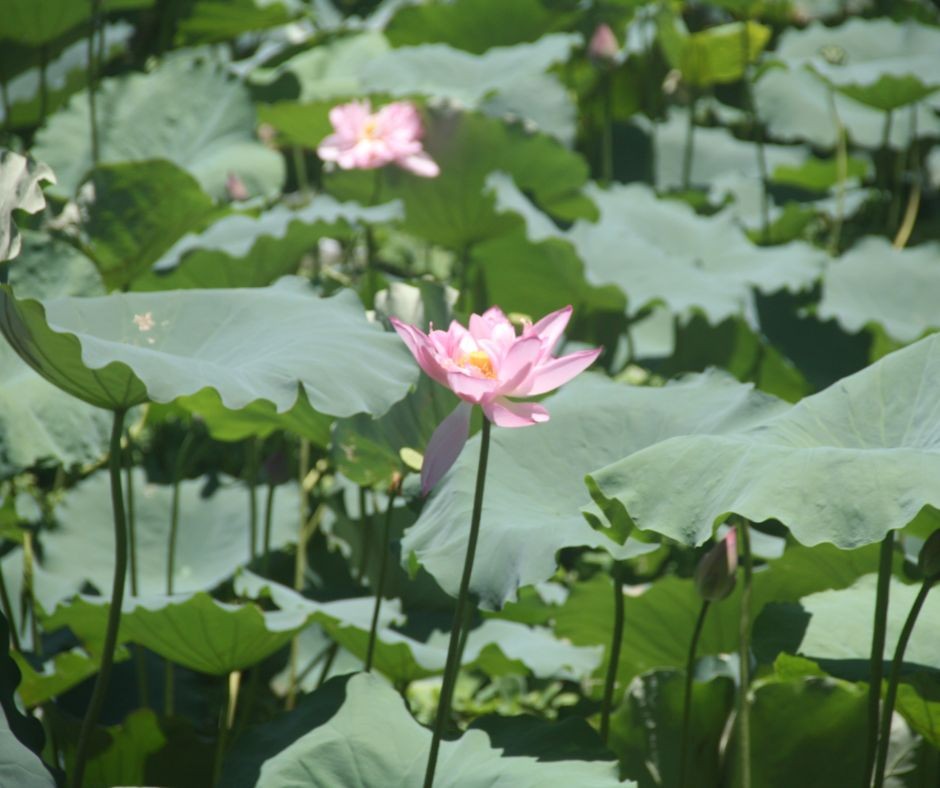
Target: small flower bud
column 603, row 47
column 235, row 187
column 929, row 558
column 715, row 574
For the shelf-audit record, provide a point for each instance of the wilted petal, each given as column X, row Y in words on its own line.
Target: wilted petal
column 445, row 446
column 556, row 372
column 505, row 413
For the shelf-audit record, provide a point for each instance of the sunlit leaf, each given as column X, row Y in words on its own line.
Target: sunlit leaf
column 21, row 181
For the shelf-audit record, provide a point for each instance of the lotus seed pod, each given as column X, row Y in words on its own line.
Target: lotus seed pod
column 715, row 574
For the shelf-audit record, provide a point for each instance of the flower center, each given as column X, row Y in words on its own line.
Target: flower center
column 369, row 128
column 480, row 360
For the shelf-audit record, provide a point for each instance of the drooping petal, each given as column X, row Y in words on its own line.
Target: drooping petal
column 555, row 372
column 445, row 445
column 506, row 413
column 550, row 327
column 420, row 164
column 422, row 349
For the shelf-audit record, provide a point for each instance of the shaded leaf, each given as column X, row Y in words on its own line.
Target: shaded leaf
column 20, row 190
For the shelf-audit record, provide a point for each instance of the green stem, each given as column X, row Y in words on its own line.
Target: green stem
column 689, row 151
column 687, row 697
column 300, row 168
column 8, row 612
column 452, row 666
column 5, row 103
column 92, row 72
column 268, row 517
column 331, row 653
column 43, row 86
column 223, row 734
column 380, row 585
column 114, row 610
column 251, row 466
column 842, row 169
column 366, row 543
column 616, row 641
column 888, row 711
column 607, row 143
column 178, row 468
column 131, row 516
column 876, row 659
column 744, row 657
column 300, row 563
column 758, row 138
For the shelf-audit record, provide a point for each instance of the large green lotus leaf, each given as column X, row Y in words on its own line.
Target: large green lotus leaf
column 57, row 675
column 207, row 129
column 473, row 25
column 139, row 210
column 712, row 56
column 921, row 710
column 879, row 62
column 795, row 105
column 49, row 590
column 782, row 755
column 48, row 267
column 844, row 466
column 660, row 621
column 661, row 251
column 503, row 81
column 21, row 181
column 247, row 344
column 834, row 628
column 38, row 22
column 20, row 766
column 372, row 741
column 253, row 251
column 195, row 630
column 66, row 74
column 455, row 209
column 220, row 20
column 125, row 748
column 646, row 730
column 874, row 283
column 534, row 483
column 212, row 537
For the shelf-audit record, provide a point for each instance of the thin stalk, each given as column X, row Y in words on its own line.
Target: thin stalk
column 300, row 564
column 616, row 641
column 366, row 543
column 92, row 72
column 114, row 610
column 689, row 151
column 251, row 465
column 300, row 168
column 452, row 666
column 744, row 656
column 225, row 723
column 5, row 103
column 607, row 142
column 913, row 202
column 268, row 517
column 8, row 613
column 178, row 468
column 131, row 518
column 687, row 697
column 327, row 664
column 758, row 137
column 43, row 82
column 842, row 174
column 380, row 585
column 876, row 659
column 888, row 711
column 29, row 589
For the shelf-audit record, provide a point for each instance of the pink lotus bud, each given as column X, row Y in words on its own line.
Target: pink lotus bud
column 603, row 47
column 235, row 187
column 929, row 558
column 715, row 574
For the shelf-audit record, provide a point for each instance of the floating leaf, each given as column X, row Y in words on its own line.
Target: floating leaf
column 247, row 344
column 373, row 740
column 844, row 466
column 534, row 488
column 874, row 283
column 712, row 56
column 20, row 190
column 206, row 129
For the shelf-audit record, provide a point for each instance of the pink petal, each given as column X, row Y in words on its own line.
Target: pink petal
column 422, row 349
column 348, row 119
column 516, row 367
column 331, row 148
column 556, row 371
column 444, row 447
column 469, row 387
column 420, row 164
column 505, row 413
column 550, row 327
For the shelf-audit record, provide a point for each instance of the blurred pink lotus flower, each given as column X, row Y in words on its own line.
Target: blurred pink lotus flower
column 603, row 47
column 363, row 140
column 485, row 365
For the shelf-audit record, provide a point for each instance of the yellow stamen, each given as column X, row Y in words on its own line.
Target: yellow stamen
column 480, row 360
column 369, row 128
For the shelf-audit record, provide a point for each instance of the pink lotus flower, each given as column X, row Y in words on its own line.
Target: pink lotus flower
column 603, row 47
column 363, row 140
column 486, row 365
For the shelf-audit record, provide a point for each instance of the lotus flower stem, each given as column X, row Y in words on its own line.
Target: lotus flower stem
column 842, row 168
column 92, row 69
column 616, row 641
column 131, row 518
column 114, row 610
column 687, row 697
column 888, row 711
column 300, row 168
column 366, row 526
column 251, row 468
column 744, row 645
column 452, row 666
column 300, row 563
column 876, row 660
column 331, row 653
column 380, row 584
column 689, row 151
column 268, row 518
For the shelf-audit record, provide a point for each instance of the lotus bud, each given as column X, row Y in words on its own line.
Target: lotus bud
column 276, row 469
column 235, row 187
column 929, row 558
column 603, row 47
column 715, row 574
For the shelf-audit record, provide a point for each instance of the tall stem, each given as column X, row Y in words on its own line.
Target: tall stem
column 888, row 711
column 842, row 170
column 251, row 463
column 744, row 657
column 8, row 612
column 300, row 563
column 300, row 167
column 689, row 152
column 43, row 82
column 178, row 469
column 616, row 640
column 452, row 666
column 131, row 517
column 92, row 72
column 687, row 696
column 607, row 143
column 268, row 518
column 366, row 526
column 380, row 585
column 758, row 135
column 114, row 610
column 876, row 659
